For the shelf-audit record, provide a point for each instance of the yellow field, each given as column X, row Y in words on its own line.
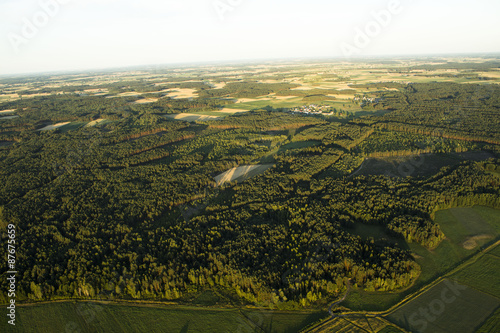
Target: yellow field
column 229, row 110
column 182, row 93
column 146, row 100
column 191, row 117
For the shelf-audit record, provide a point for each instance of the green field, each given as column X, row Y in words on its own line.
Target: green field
column 457, row 224
column 446, row 308
column 482, row 275
column 495, row 251
column 355, row 324
column 95, row 317
column 492, row 324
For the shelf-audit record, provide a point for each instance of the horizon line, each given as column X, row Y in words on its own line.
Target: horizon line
column 202, row 63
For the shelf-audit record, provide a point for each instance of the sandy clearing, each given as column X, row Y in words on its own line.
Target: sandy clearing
column 229, row 110
column 8, row 111
column 245, row 100
column 146, row 101
column 130, row 93
column 471, row 242
column 51, row 127
column 494, row 75
column 94, row 122
column 182, row 93
column 8, row 117
column 191, row 117
column 270, row 81
column 10, row 95
column 279, row 98
column 304, row 88
column 243, row 172
column 218, row 85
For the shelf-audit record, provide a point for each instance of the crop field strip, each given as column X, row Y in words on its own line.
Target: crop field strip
column 448, row 309
column 476, row 301
column 101, row 317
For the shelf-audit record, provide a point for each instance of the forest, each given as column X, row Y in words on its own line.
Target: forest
column 130, row 209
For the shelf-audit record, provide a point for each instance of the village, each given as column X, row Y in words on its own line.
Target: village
column 313, row 109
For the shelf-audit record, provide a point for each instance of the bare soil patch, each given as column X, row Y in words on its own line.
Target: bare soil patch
column 472, row 242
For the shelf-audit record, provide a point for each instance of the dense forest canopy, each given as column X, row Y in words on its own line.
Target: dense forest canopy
column 129, row 208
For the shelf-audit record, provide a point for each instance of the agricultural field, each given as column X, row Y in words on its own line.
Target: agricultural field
column 355, row 323
column 446, row 308
column 98, row 317
column 466, row 300
column 482, row 275
column 459, row 225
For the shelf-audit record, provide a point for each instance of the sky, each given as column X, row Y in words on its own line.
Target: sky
column 69, row 35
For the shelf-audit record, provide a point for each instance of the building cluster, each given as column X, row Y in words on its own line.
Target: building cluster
column 366, row 100
column 311, row 109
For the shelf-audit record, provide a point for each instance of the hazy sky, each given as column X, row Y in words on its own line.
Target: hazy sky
column 48, row 35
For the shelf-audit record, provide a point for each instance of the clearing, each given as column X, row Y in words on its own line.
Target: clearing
column 146, row 100
column 95, row 122
column 182, row 93
column 241, row 173
column 191, row 117
column 54, row 126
